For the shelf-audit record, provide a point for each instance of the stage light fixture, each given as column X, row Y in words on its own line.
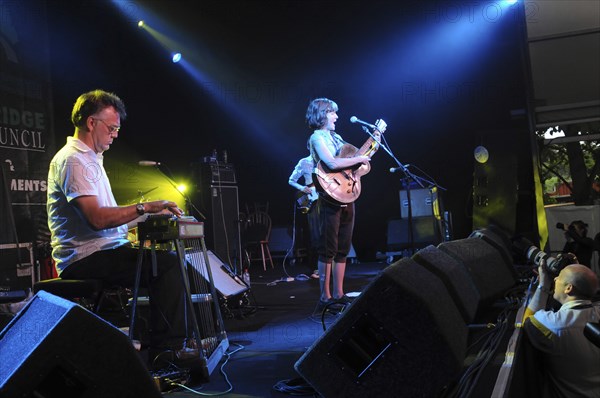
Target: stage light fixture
column 140, row 24
column 181, row 188
column 176, row 57
column 481, row 154
column 511, row 2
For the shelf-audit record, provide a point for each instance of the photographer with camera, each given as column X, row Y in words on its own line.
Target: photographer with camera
column 578, row 242
column 570, row 362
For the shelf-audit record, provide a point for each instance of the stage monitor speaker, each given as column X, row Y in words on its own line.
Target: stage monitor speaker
column 55, row 348
column 425, row 232
column 485, row 265
column 226, row 282
column 221, row 207
column 282, row 239
column 402, row 337
column 500, row 241
column 455, row 277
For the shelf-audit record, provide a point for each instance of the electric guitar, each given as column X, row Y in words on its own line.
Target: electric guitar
column 306, row 200
column 343, row 186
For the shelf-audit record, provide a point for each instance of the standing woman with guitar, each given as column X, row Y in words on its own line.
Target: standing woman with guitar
column 336, row 218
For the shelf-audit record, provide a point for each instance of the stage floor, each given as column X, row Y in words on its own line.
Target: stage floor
column 268, row 341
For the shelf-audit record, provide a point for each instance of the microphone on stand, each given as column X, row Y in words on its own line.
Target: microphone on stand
column 151, row 163
column 395, row 169
column 148, row 163
column 354, row 119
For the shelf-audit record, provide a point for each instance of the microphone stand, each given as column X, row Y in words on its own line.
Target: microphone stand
column 406, row 183
column 188, row 202
column 408, row 176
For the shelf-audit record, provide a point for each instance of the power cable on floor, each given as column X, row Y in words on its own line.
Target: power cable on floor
column 297, row 386
column 222, row 370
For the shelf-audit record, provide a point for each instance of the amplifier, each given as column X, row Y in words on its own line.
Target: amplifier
column 423, row 201
column 16, row 268
column 214, row 173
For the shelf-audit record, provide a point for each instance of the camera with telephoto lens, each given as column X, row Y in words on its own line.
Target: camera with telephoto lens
column 534, row 254
column 570, row 227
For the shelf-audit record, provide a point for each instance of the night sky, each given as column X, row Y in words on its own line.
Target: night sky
column 443, row 75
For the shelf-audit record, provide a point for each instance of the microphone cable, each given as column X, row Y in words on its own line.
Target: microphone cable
column 291, row 248
column 297, row 386
column 486, row 354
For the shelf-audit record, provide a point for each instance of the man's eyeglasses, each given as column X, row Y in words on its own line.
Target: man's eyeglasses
column 111, row 128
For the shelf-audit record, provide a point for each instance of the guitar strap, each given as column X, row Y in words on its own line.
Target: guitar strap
column 338, row 143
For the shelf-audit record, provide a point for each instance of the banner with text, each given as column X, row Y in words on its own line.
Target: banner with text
column 26, row 122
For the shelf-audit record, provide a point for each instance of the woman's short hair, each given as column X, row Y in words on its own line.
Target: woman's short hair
column 316, row 114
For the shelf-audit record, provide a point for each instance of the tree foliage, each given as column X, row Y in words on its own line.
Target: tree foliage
column 574, row 164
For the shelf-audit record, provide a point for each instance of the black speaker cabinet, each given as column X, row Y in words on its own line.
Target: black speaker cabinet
column 485, row 265
column 425, row 232
column 422, row 200
column 220, row 205
column 55, row 348
column 282, row 239
column 402, row 337
column 499, row 240
column 496, row 185
column 455, row 277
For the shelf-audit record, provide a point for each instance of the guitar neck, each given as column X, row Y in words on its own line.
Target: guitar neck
column 368, row 148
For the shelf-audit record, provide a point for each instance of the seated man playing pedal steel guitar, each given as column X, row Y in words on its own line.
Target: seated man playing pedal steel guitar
column 89, row 229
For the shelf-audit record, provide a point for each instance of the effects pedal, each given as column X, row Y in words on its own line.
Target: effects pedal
column 167, row 379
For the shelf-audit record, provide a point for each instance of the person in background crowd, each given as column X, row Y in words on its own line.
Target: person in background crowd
column 578, row 242
column 306, row 199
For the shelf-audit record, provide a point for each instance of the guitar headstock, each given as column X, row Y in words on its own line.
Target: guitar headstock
column 380, row 125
